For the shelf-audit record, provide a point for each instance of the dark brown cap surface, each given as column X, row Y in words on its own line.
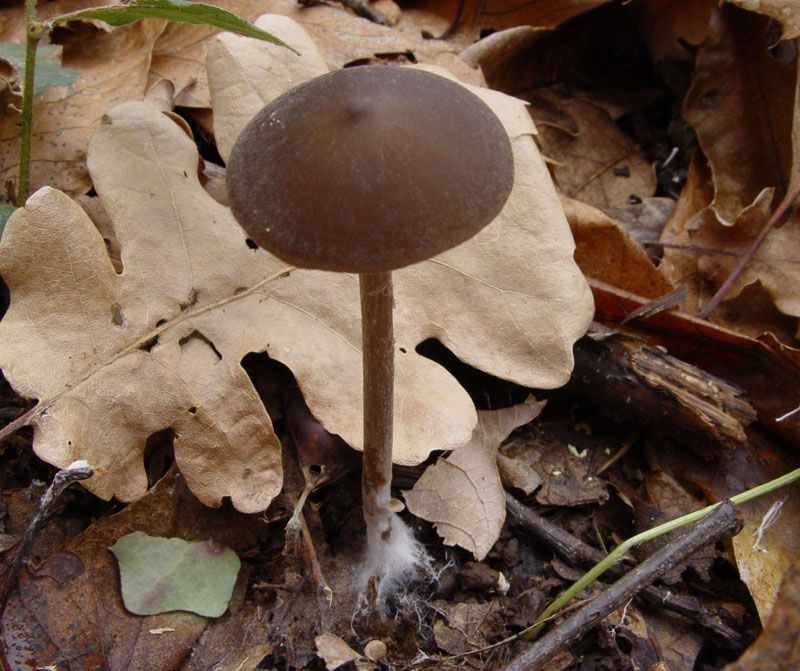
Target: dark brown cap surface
column 369, row 169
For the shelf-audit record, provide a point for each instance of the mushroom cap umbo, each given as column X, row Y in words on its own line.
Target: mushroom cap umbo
column 369, row 169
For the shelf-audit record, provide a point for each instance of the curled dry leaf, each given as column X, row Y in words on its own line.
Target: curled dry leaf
column 113, row 358
column 462, row 494
column 740, row 105
column 334, row 651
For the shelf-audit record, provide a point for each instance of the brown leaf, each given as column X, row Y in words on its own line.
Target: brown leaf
column 564, row 459
column 785, row 12
column 740, row 105
column 606, row 252
column 113, row 67
column 597, row 162
column 476, row 16
column 70, row 606
column 776, row 648
column 462, row 494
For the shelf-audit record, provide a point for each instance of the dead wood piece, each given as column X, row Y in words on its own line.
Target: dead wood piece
column 632, row 381
column 578, row 553
column 720, row 523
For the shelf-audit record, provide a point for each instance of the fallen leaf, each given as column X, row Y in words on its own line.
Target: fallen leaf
column 606, row 252
column 465, row 629
column 69, row 609
column 160, row 344
column 476, row 16
column 702, row 252
column 344, row 38
column 462, row 494
column 785, row 12
column 245, row 74
column 334, row 651
column 113, row 67
column 597, row 162
column 739, row 104
column 159, row 575
column 776, row 648
column 58, row 616
column 563, row 457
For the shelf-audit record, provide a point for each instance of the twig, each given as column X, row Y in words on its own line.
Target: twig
column 61, row 480
column 679, row 522
column 718, row 297
column 576, row 552
column 721, row 523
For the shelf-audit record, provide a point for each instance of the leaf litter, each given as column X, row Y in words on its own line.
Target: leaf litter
column 159, row 344
column 190, row 342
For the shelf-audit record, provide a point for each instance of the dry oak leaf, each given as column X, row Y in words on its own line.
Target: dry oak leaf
column 740, row 105
column 511, row 301
column 462, row 494
column 113, row 358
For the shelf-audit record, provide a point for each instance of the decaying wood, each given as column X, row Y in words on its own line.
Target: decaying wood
column 720, row 523
column 577, row 553
column 634, row 382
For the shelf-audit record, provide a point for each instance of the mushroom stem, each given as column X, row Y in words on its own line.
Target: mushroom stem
column 378, row 360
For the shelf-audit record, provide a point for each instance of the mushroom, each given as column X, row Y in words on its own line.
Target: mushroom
column 366, row 170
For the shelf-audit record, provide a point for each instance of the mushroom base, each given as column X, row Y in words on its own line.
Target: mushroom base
column 392, row 562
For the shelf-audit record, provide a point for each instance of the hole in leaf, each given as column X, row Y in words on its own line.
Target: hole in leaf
column 159, row 455
column 197, row 336
column 193, row 410
column 160, row 323
column 149, row 345
column 5, row 298
column 251, row 244
column 205, row 144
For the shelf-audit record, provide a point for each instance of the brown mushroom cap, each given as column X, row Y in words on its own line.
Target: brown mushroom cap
column 369, row 169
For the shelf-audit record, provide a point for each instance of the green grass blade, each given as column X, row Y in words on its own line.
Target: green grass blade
column 173, row 10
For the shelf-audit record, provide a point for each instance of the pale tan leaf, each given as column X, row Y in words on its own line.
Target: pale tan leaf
column 334, row 651
column 116, row 358
column 462, row 494
column 245, row 74
column 342, row 37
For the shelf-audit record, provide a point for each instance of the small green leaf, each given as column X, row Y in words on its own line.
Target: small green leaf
column 5, row 212
column 159, row 575
column 48, row 73
column 173, row 10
